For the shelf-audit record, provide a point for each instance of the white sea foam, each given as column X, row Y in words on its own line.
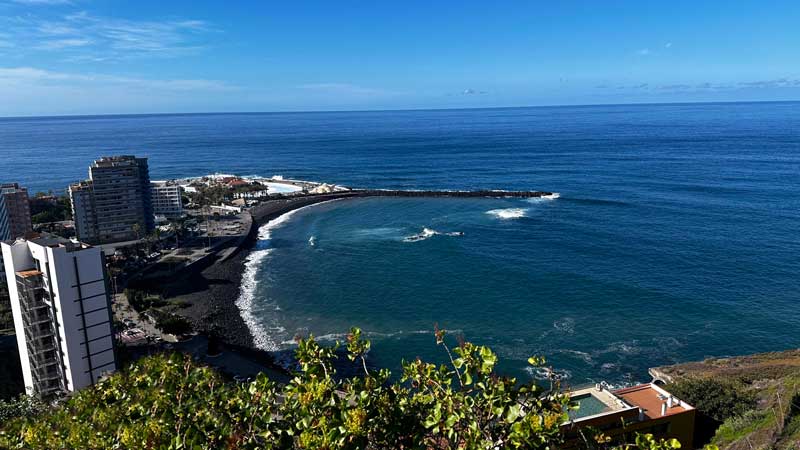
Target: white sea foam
column 312, row 241
column 544, row 198
column 585, row 357
column 428, row 233
column 565, row 325
column 508, row 213
column 263, row 337
column 543, row 373
column 425, row 234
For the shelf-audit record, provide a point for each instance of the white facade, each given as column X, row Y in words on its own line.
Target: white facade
column 62, row 315
column 166, row 198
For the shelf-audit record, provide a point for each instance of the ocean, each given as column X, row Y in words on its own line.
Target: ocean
column 675, row 234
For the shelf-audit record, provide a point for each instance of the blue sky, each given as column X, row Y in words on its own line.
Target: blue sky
column 104, row 56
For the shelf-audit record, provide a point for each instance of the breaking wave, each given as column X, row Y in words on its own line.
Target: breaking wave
column 508, row 213
column 262, row 335
column 544, row 373
column 544, row 198
column 428, row 233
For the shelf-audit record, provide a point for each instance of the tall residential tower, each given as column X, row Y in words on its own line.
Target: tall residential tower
column 114, row 204
column 5, row 232
column 17, row 209
column 62, row 314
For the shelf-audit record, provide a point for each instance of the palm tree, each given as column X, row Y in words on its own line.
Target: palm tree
column 137, row 230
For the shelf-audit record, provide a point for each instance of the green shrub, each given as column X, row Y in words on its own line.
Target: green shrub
column 172, row 324
column 737, row 427
column 22, row 406
column 716, row 398
column 171, row 402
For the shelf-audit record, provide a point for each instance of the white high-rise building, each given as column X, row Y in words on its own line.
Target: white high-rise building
column 166, row 198
column 62, row 314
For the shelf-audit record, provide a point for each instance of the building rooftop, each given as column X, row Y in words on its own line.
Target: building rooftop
column 10, row 188
column 113, row 161
column 599, row 401
column 51, row 241
column 650, row 398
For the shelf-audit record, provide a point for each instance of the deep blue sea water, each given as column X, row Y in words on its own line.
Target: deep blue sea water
column 676, row 235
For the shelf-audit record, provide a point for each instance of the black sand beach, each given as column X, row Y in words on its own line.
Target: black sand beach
column 210, row 291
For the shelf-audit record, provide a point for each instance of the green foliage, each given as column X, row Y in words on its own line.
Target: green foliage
column 46, row 210
column 6, row 320
column 170, row 402
column 717, row 398
column 22, row 406
column 142, row 300
column 738, row 427
column 773, row 423
column 172, row 324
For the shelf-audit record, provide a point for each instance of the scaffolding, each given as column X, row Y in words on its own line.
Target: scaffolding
column 41, row 335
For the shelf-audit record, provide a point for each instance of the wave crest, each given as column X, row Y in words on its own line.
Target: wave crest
column 508, row 213
column 262, row 338
column 427, row 233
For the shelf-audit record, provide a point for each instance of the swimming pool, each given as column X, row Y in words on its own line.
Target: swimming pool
column 589, row 405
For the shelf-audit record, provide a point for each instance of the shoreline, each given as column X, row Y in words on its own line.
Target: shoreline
column 216, row 288
column 212, row 292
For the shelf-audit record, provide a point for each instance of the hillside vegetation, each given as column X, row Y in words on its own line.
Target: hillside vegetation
column 171, row 402
column 756, row 398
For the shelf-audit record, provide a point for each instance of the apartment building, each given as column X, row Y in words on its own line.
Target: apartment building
column 115, row 203
column 5, row 233
column 62, row 314
column 17, row 210
column 166, row 198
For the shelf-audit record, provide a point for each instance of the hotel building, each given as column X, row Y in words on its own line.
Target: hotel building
column 166, row 197
column 62, row 315
column 114, row 204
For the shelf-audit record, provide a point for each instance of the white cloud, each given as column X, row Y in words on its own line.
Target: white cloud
column 58, row 44
column 33, row 77
column 83, row 36
column 643, row 52
column 36, row 91
column 43, row 2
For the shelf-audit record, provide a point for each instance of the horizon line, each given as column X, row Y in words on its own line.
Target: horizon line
column 322, row 111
